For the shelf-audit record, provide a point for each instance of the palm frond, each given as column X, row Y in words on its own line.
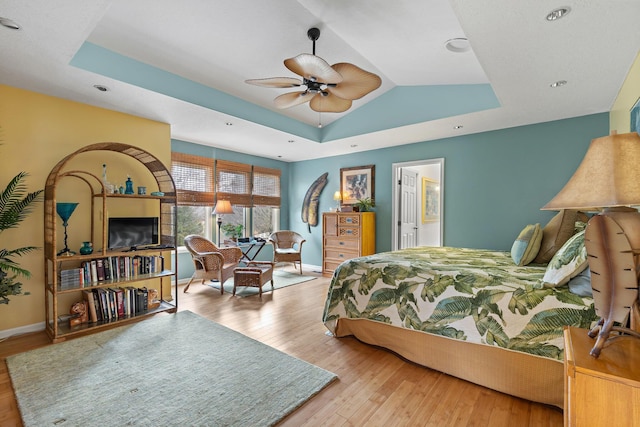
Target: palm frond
column 15, row 202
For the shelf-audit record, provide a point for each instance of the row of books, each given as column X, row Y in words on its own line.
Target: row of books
column 110, row 268
column 107, row 304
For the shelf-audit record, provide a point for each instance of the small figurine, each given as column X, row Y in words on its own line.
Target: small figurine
column 79, row 314
column 152, row 299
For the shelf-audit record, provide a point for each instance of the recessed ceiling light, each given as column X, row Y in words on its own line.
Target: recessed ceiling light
column 6, row 22
column 558, row 83
column 101, row 88
column 457, row 45
column 458, row 127
column 556, row 14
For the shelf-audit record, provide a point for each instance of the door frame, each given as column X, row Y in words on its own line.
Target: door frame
column 395, row 196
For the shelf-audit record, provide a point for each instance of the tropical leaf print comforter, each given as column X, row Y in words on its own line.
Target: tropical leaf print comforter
column 475, row 295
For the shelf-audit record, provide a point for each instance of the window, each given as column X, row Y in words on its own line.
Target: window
column 253, row 191
column 193, row 177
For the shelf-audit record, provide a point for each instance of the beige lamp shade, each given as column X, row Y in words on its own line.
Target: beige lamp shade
column 223, row 207
column 609, row 176
column 337, row 196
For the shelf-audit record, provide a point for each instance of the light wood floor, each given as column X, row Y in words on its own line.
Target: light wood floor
column 375, row 387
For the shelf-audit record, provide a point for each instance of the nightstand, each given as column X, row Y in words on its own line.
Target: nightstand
column 603, row 391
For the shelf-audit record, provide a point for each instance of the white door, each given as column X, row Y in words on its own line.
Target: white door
column 408, row 209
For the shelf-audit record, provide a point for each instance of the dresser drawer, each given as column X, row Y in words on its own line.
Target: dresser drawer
column 345, row 219
column 339, row 254
column 329, row 266
column 348, row 232
column 342, row 243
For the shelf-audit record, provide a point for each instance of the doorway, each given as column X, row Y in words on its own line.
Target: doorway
column 418, row 195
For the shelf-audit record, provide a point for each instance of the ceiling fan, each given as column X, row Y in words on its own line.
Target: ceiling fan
column 329, row 88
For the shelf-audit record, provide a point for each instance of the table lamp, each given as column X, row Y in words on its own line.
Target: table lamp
column 338, row 198
column 608, row 180
column 64, row 211
column 222, row 207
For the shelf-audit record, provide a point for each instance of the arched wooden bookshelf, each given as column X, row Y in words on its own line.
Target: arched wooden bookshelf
column 160, row 260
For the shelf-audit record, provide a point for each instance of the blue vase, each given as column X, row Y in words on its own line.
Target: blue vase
column 86, row 248
column 129, row 184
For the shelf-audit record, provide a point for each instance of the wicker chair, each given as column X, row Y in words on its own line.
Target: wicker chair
column 287, row 247
column 211, row 262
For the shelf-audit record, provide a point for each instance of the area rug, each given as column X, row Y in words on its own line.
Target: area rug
column 281, row 279
column 169, row 370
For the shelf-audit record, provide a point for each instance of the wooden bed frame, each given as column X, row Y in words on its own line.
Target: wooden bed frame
column 523, row 375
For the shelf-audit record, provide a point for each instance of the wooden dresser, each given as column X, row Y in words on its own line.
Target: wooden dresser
column 346, row 235
column 603, row 391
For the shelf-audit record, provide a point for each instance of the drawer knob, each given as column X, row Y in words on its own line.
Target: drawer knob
column 341, row 255
column 341, row 243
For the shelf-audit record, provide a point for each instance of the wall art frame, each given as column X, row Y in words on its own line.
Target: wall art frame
column 357, row 183
column 430, row 200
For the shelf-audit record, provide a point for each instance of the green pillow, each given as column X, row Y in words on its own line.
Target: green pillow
column 568, row 262
column 527, row 245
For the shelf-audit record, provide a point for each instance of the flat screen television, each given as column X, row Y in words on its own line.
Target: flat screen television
column 132, row 232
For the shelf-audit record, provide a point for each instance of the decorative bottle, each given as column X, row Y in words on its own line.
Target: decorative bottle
column 129, row 184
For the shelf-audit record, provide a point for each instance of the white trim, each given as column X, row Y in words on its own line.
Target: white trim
column 36, row 327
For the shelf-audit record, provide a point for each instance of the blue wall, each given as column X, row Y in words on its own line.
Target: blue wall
column 495, row 182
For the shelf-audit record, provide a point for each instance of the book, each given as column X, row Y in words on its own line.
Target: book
column 107, row 269
column 94, row 271
column 119, row 297
column 87, row 295
column 96, row 302
column 104, row 305
column 100, row 269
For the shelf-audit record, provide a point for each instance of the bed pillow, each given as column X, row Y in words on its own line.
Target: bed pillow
column 581, row 284
column 527, row 245
column 557, row 231
column 567, row 263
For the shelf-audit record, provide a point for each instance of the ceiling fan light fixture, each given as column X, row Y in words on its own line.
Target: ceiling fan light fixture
column 337, row 84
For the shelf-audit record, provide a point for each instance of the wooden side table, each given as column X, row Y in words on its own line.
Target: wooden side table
column 603, row 391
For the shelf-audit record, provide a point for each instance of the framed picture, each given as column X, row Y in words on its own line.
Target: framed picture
column 635, row 117
column 430, row 200
column 357, row 183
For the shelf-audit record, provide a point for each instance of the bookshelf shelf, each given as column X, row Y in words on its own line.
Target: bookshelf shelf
column 69, row 276
column 66, row 330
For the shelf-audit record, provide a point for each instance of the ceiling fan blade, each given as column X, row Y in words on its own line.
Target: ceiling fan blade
column 329, row 103
column 275, row 82
column 313, row 68
column 356, row 82
column 292, row 99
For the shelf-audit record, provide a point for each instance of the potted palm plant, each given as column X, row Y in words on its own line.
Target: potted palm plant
column 233, row 231
column 15, row 205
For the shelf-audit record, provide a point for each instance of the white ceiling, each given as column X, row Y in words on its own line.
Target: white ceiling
column 221, row 43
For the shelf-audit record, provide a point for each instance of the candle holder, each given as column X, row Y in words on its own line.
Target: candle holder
column 64, row 211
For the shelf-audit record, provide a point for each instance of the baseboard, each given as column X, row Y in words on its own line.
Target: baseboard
column 36, row 327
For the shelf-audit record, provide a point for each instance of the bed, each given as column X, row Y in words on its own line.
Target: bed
column 470, row 313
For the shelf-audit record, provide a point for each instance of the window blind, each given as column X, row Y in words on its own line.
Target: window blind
column 233, row 182
column 193, row 177
column 266, row 186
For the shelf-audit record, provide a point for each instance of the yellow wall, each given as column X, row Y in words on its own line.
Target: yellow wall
column 619, row 118
column 36, row 132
